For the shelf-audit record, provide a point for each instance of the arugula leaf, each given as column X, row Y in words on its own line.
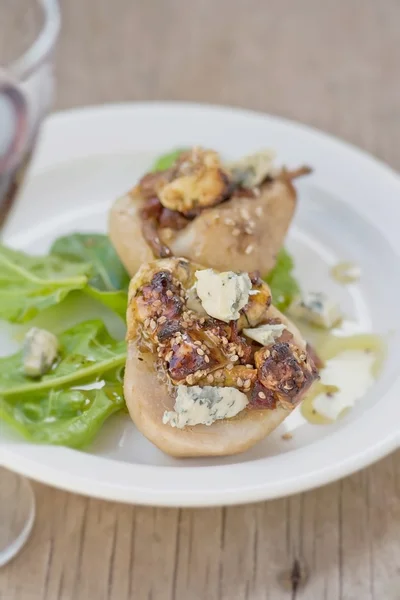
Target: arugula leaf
column 109, row 280
column 68, row 417
column 108, row 273
column 87, row 351
column 29, row 284
column 284, row 287
column 115, row 301
column 165, row 161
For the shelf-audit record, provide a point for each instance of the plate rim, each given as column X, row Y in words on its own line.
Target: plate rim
column 321, row 476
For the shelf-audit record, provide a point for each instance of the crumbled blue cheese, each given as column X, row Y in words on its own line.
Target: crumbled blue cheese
column 39, row 351
column 251, row 170
column 223, row 295
column 265, row 334
column 351, row 372
column 197, row 405
column 316, row 308
column 193, row 301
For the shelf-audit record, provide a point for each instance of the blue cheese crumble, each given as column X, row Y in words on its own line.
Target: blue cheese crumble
column 316, row 308
column 265, row 334
column 39, row 352
column 223, row 295
column 251, row 170
column 197, row 405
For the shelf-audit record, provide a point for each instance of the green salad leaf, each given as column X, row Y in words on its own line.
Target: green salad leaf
column 87, row 351
column 115, row 301
column 109, row 280
column 165, row 161
column 70, row 417
column 284, row 287
column 108, row 273
column 69, row 404
column 29, row 284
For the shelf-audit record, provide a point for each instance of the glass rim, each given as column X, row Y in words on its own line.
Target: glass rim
column 43, row 44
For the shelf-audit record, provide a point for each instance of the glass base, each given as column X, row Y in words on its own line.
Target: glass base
column 17, row 513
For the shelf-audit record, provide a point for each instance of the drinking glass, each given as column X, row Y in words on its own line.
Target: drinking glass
column 28, row 35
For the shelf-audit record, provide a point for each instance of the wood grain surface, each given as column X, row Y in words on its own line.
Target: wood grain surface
column 334, row 64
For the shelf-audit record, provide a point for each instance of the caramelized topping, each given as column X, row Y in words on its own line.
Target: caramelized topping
column 286, row 370
column 195, row 349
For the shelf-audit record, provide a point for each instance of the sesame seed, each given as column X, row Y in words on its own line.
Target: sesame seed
column 169, row 294
column 190, row 379
column 229, row 366
column 218, row 374
column 146, row 322
column 228, row 221
column 244, row 213
column 249, row 366
column 162, row 320
column 247, row 383
column 200, row 352
column 240, row 352
column 202, row 321
column 210, row 378
column 262, row 395
column 198, row 374
column 206, row 359
column 236, row 232
column 249, row 230
column 259, row 211
column 169, row 356
column 249, row 249
column 224, row 341
column 234, row 358
column 157, row 303
column 197, row 343
column 239, row 381
column 153, row 324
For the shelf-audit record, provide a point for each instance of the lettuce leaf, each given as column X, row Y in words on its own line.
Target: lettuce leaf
column 284, row 287
column 109, row 280
column 165, row 161
column 70, row 417
column 87, row 351
column 30, row 284
column 69, row 404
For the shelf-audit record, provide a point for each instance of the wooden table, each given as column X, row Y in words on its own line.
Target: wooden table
column 334, row 65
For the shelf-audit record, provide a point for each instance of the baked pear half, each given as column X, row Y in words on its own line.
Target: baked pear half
column 213, row 367
column 221, row 216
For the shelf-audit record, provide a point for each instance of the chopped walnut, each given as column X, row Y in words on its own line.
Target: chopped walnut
column 285, row 370
column 199, row 180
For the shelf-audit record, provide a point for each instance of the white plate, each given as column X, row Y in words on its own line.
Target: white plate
column 349, row 209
